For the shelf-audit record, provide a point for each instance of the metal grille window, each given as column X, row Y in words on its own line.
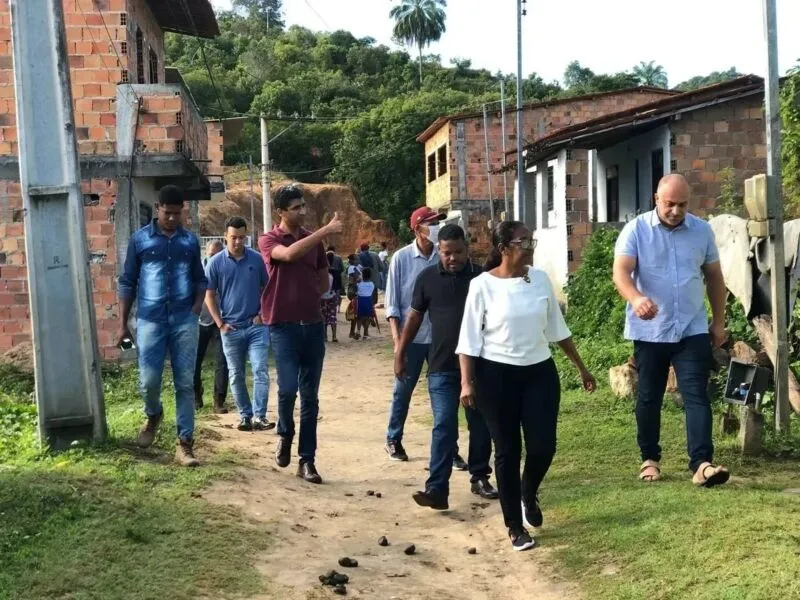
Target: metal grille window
column 569, row 230
column 179, row 146
column 570, row 256
column 123, row 47
column 125, row 78
column 139, row 56
column 569, row 153
column 123, row 19
column 569, row 204
column 153, row 67
column 550, row 188
column 179, row 118
column 673, row 165
column 569, row 179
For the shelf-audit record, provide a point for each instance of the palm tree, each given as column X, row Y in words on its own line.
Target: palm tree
column 649, row 73
column 419, row 23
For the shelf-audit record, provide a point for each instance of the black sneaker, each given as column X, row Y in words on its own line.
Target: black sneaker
column 396, row 451
column 283, row 455
column 459, row 464
column 520, row 538
column 531, row 513
column 262, row 424
column 246, row 424
column 431, row 499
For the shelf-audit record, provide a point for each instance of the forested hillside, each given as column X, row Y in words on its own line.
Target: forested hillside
column 359, row 104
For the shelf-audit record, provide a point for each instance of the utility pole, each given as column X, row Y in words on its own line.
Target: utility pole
column 252, row 203
column 520, row 212
column 266, row 201
column 69, row 392
column 503, row 125
column 488, row 164
column 775, row 219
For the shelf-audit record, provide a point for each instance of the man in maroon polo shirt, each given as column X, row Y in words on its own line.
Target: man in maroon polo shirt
column 290, row 305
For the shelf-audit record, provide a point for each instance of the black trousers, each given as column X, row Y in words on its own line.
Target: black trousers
column 511, row 397
column 208, row 333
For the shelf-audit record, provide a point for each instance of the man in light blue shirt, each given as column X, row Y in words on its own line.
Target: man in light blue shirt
column 407, row 263
column 237, row 277
column 665, row 262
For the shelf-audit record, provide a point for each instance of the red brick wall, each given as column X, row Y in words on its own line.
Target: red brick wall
column 139, row 16
column 539, row 122
column 577, row 194
column 99, row 198
column 731, row 135
column 216, row 152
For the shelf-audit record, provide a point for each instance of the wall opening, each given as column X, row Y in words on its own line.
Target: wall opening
column 153, row 67
column 139, row 56
column 431, row 167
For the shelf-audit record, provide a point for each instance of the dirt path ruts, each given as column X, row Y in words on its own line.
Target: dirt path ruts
column 316, row 525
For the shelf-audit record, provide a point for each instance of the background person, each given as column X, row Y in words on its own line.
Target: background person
column 507, row 371
column 237, row 276
column 163, row 271
column 298, row 276
column 329, row 303
column 366, row 298
column 665, row 262
column 210, row 332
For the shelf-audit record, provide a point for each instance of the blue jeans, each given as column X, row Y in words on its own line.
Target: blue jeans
column 178, row 336
column 299, row 352
column 692, row 359
column 251, row 342
column 444, row 389
column 416, row 356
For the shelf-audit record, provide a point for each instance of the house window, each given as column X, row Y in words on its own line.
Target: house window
column 569, row 204
column 123, row 19
column 125, row 78
column 139, row 56
column 550, row 188
column 671, row 139
column 569, row 153
column 673, row 165
column 123, row 47
column 569, row 179
column 570, row 256
column 441, row 160
column 179, row 146
column 431, row 166
column 569, row 230
column 153, row 67
column 179, row 118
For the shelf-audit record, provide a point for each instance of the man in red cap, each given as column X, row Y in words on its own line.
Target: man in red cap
column 407, row 263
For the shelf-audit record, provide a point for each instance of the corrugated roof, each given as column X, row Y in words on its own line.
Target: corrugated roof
column 613, row 127
column 172, row 15
column 443, row 120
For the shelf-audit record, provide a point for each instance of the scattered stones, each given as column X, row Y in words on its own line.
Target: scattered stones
column 472, row 550
column 448, row 569
column 370, row 492
column 378, row 495
column 410, row 549
column 382, row 541
column 348, row 562
column 340, row 589
column 348, row 494
column 334, row 578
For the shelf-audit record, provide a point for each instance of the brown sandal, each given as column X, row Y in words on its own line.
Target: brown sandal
column 719, row 475
column 650, row 477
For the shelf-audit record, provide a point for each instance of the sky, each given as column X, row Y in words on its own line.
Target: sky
column 687, row 37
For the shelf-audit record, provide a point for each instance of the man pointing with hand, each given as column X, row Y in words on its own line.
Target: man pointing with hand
column 665, row 262
column 298, row 276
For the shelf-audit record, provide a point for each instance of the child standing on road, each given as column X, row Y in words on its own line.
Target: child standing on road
column 366, row 298
column 351, row 314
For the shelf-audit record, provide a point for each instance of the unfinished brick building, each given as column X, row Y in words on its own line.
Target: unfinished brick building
column 455, row 151
column 138, row 128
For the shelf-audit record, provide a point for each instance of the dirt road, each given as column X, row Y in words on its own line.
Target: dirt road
column 315, row 525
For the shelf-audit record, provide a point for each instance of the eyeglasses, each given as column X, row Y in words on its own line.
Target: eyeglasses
column 524, row 243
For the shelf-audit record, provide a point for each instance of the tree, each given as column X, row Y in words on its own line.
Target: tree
column 582, row 80
column 268, row 11
column 419, row 23
column 577, row 76
column 790, row 146
column 710, row 79
column 651, row 74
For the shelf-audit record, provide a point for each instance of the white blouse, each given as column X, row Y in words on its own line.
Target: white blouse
column 511, row 321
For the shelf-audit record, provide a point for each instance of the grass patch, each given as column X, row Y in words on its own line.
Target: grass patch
column 112, row 521
column 668, row 540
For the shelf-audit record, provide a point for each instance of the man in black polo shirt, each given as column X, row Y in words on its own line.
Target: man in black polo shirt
column 441, row 291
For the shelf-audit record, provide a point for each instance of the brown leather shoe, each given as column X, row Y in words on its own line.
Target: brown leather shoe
column 147, row 433
column 283, row 455
column 308, row 472
column 184, row 453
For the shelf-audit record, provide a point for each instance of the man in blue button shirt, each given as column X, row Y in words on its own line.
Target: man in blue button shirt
column 665, row 262
column 164, row 272
column 238, row 276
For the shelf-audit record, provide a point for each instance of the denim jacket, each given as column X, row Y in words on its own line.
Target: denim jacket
column 164, row 274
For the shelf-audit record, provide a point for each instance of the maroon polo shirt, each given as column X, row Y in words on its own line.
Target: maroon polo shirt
column 292, row 294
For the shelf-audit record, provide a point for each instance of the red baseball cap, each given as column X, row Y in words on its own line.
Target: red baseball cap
column 425, row 214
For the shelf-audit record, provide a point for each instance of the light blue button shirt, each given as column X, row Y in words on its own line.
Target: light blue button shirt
column 668, row 271
column 407, row 263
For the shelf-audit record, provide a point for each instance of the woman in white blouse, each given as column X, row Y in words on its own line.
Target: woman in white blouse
column 508, row 373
